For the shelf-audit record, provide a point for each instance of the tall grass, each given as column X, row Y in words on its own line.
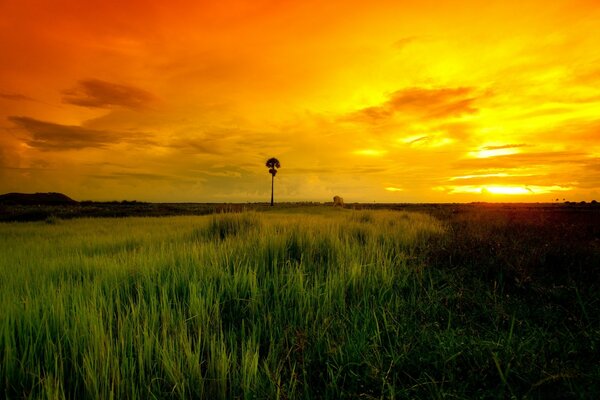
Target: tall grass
column 329, row 304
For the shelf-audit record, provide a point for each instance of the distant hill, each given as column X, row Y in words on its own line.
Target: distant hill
column 36, row 198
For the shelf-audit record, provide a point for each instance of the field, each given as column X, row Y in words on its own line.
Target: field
column 304, row 302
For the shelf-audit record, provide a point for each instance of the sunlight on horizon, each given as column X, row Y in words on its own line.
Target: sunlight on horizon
column 527, row 190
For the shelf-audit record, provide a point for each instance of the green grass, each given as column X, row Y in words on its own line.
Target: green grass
column 296, row 303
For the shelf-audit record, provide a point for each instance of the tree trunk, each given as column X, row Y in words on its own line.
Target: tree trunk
column 272, row 179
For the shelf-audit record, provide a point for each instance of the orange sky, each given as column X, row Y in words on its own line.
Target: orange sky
column 387, row 101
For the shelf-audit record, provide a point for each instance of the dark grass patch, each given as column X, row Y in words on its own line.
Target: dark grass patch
column 223, row 226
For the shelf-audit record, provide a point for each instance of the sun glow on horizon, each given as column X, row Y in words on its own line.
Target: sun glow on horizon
column 503, row 189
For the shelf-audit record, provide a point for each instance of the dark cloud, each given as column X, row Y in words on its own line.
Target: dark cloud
column 49, row 136
column 420, row 102
column 101, row 94
column 14, row 97
column 505, row 146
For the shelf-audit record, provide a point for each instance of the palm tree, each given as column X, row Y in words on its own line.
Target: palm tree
column 272, row 164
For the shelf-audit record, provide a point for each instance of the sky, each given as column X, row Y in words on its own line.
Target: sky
column 375, row 101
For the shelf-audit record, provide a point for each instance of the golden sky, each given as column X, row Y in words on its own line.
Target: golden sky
column 387, row 101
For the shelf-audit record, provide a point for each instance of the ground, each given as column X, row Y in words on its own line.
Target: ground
column 302, row 301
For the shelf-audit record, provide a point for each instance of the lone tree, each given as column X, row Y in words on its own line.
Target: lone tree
column 272, row 164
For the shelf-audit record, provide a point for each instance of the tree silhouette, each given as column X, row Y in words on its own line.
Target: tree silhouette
column 272, row 164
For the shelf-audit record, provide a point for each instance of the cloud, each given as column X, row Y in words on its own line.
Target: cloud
column 205, row 145
column 502, row 179
column 576, row 131
column 520, row 160
column 101, row 94
column 459, row 130
column 132, row 175
column 594, row 164
column 589, row 175
column 510, row 190
column 419, row 139
column 219, row 141
column 504, row 146
column 48, row 136
column 14, row 97
column 587, row 76
column 350, row 170
column 420, row 102
column 405, row 41
column 206, row 140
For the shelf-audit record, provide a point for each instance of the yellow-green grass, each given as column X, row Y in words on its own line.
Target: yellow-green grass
column 319, row 303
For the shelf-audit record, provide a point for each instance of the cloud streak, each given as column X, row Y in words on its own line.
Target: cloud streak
column 48, row 136
column 14, row 97
column 437, row 103
column 96, row 93
column 505, row 146
column 132, row 175
column 520, row 160
column 405, row 41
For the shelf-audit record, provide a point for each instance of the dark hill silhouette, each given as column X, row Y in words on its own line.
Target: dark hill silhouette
column 36, row 198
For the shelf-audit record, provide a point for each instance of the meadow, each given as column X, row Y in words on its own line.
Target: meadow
column 303, row 303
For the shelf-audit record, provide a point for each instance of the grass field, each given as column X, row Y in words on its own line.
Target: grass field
column 310, row 302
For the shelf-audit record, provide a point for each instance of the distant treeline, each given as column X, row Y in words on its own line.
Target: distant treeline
column 11, row 212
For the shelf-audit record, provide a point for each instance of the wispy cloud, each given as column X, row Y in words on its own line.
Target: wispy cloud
column 437, row 103
column 101, row 94
column 520, row 160
column 504, row 146
column 132, row 175
column 501, row 179
column 586, row 131
column 48, row 136
column 413, row 140
column 405, row 41
column 503, row 189
column 14, row 97
column 589, row 174
column 210, row 141
column 593, row 164
column 200, row 145
column 350, row 170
